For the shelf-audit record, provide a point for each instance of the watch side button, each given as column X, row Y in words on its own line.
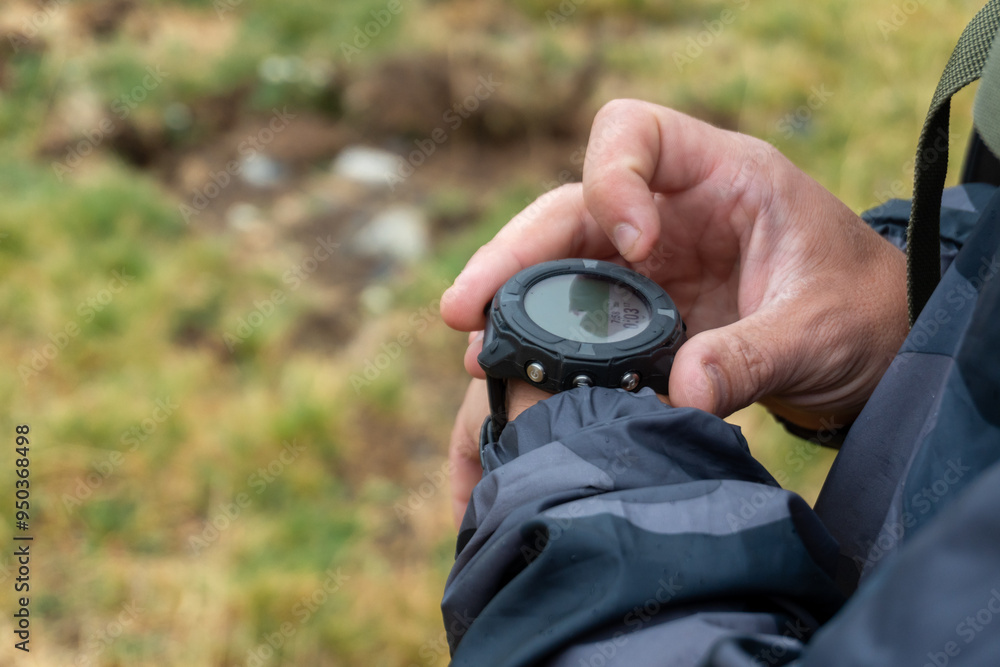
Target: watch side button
column 535, row 371
column 630, row 381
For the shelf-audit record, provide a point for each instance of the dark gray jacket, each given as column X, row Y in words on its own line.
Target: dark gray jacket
column 610, row 529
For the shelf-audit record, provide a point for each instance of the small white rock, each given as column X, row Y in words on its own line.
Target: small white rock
column 369, row 166
column 398, row 232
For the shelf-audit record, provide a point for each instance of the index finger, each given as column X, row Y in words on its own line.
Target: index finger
column 638, row 148
column 555, row 226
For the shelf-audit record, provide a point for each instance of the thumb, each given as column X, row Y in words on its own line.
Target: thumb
column 723, row 370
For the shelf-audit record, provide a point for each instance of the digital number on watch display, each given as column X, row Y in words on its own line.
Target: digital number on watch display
column 586, row 308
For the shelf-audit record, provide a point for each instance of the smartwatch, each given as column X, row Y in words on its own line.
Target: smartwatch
column 576, row 323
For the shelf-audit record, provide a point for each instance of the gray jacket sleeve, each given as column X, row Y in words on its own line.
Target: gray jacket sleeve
column 610, row 529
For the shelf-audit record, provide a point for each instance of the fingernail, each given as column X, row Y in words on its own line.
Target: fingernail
column 475, row 338
column 625, row 237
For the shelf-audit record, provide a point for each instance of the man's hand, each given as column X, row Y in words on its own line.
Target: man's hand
column 788, row 296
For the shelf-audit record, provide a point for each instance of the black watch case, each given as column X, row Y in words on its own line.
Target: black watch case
column 512, row 341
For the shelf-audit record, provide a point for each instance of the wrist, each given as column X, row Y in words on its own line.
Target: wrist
column 521, row 396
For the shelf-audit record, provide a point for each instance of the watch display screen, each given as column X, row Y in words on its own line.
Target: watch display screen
column 586, row 308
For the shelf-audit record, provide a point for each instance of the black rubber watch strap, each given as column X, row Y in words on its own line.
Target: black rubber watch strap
column 496, row 390
column 486, row 439
column 489, row 433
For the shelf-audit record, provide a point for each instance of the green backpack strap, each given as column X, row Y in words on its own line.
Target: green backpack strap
column 923, row 251
column 987, row 108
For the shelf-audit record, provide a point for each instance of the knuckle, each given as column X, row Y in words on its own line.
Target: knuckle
column 599, row 175
column 753, row 181
column 760, row 156
column 612, row 121
column 754, row 363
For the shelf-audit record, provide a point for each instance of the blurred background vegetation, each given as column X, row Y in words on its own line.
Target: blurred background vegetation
column 220, row 316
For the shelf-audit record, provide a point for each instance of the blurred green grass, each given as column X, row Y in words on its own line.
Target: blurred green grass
column 130, row 508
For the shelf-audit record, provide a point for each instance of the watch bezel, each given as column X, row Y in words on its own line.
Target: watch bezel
column 564, row 358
